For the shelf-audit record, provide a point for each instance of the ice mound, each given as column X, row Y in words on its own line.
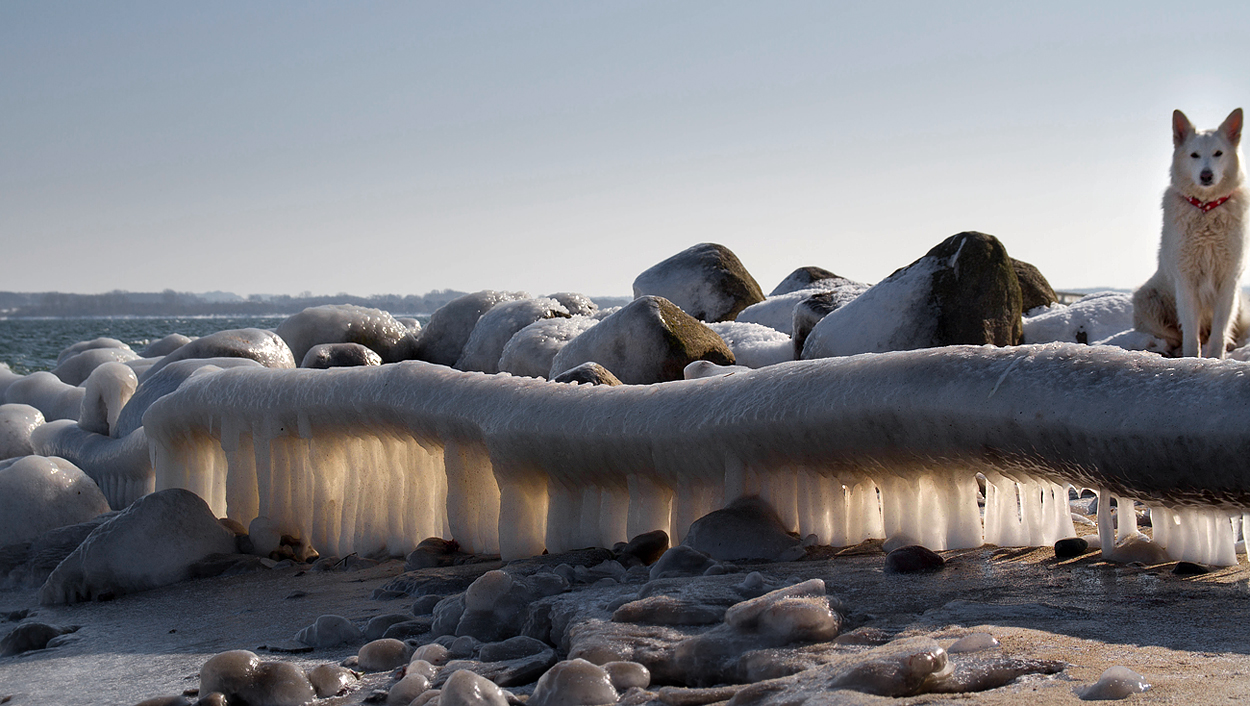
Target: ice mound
column 578, row 304
column 1114, row 684
column 122, row 467
column 38, row 494
column 264, row 347
column 17, row 422
column 533, row 348
column 464, row 688
column 754, row 345
column 45, row 392
column 338, row 355
column 165, row 381
column 241, row 676
column 1090, row 319
column 165, row 346
column 374, row 329
column 449, row 329
column 109, row 387
column 574, row 682
column 152, row 543
column 496, row 328
column 77, row 367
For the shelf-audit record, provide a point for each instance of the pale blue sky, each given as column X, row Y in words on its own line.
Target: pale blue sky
column 403, row 147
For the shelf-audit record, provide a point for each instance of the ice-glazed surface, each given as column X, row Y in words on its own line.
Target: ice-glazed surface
column 497, row 327
column 442, row 341
column 755, row 345
column 1091, row 319
column 38, row 494
column 346, row 323
column 77, row 367
column 108, row 389
column 533, row 348
column 894, row 315
column 45, row 392
column 121, row 467
column 17, row 422
column 1114, row 684
column 371, row 459
column 264, row 347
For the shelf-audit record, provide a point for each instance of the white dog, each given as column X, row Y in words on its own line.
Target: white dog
column 1193, row 297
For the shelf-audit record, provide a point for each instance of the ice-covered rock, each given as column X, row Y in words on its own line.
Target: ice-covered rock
column 496, row 328
column 77, row 367
column 165, row 346
column 963, row 291
column 330, row 631
column 496, row 604
column 17, row 422
column 649, row 340
column 465, row 688
column 45, row 392
column 339, row 355
column 815, row 306
column 578, row 304
column 152, row 543
column 7, row 377
column 777, row 311
column 1115, row 683
column 374, row 329
column 407, row 689
column 331, row 679
column 590, row 373
column 748, row 528
column 803, row 278
column 241, row 676
column 383, row 655
column 574, row 682
column 706, row 369
column 38, row 494
column 707, row 281
column 1090, row 319
column 681, row 560
column 755, row 345
column 264, row 347
column 103, row 342
column 121, row 467
column 533, row 348
column 109, row 387
column 165, row 381
column 449, row 329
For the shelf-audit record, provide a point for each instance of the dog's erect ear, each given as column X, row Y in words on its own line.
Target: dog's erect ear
column 1231, row 127
column 1181, row 128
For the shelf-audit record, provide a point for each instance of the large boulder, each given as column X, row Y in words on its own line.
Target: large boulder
column 496, row 328
column 339, row 355
column 96, row 343
column 46, row 393
column 533, row 348
column 38, row 494
column 963, row 291
column 649, row 340
column 449, row 329
column 1035, row 290
column 803, row 278
column 78, row 367
column 748, row 528
column 264, row 347
column 706, row 281
column 152, row 543
column 374, row 329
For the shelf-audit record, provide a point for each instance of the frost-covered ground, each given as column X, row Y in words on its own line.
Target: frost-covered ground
column 1182, row 634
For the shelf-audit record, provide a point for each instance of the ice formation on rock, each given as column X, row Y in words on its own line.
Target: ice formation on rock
column 17, row 423
column 755, row 345
column 38, row 494
column 346, row 323
column 108, row 389
column 77, row 367
column 496, row 328
column 45, row 392
column 533, row 348
column 373, row 459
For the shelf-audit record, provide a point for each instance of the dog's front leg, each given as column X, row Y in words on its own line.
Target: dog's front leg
column 1187, row 316
column 1221, row 318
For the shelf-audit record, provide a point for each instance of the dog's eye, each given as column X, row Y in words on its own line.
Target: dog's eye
column 1219, row 153
column 1194, row 155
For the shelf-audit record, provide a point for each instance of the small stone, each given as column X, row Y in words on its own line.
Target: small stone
column 1188, row 568
column 31, row 636
column 1070, row 548
column 382, row 655
column 912, row 559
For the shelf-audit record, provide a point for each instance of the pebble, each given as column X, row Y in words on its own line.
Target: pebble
column 1115, row 683
column 1188, row 568
column 1070, row 548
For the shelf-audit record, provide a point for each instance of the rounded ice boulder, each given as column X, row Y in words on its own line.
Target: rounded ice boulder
column 17, row 421
column 496, row 328
column 346, row 323
column 449, row 329
column 532, row 349
column 38, row 494
column 264, row 347
column 152, row 543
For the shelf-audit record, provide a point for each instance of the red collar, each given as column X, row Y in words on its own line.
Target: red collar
column 1207, row 206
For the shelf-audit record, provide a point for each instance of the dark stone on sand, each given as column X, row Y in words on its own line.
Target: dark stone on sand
column 377, row 626
column 647, row 547
column 409, row 628
column 1070, row 547
column 425, row 605
column 747, row 529
column 31, row 636
column 1188, row 568
column 912, row 559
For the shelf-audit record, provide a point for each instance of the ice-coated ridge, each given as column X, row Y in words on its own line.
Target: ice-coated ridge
column 376, row 458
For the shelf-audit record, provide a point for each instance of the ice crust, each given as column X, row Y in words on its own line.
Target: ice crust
column 877, row 445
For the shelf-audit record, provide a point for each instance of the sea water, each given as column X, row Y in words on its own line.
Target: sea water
column 31, row 344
